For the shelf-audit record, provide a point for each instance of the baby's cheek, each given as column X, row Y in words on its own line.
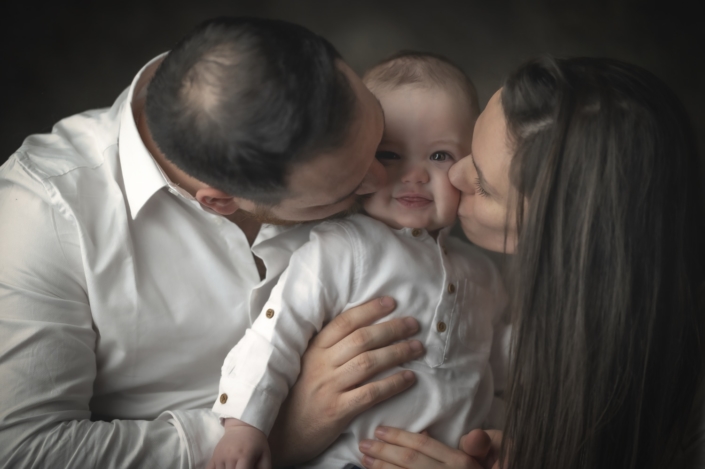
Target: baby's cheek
column 449, row 205
column 375, row 204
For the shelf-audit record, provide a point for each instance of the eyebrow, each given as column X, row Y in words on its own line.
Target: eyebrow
column 481, row 176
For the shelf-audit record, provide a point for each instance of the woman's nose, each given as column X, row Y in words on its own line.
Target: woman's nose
column 415, row 174
column 461, row 175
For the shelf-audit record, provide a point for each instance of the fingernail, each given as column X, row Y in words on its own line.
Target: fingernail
column 416, row 346
column 365, row 445
column 408, row 376
column 368, row 461
column 386, row 302
column 381, row 431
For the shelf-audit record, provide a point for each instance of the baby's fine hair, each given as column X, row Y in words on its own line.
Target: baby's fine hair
column 423, row 69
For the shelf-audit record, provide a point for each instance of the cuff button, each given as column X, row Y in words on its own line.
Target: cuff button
column 223, row 398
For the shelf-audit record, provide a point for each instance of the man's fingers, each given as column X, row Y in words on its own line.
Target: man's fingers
column 353, row 319
column 369, row 364
column 360, row 399
column 373, row 337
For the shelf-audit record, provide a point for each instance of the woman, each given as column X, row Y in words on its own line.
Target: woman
column 587, row 169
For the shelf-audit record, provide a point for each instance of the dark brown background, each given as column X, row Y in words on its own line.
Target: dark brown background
column 61, row 58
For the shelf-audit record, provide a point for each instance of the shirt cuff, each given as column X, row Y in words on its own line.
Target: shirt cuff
column 247, row 403
column 200, row 431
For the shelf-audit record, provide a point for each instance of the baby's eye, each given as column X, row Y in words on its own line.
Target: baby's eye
column 440, row 156
column 386, row 155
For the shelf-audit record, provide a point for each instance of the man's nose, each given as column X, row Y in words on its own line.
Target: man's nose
column 375, row 178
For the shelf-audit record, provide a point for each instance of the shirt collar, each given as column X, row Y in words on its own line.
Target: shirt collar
column 141, row 174
column 422, row 234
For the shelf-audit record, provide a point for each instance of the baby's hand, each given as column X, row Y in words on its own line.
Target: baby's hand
column 242, row 447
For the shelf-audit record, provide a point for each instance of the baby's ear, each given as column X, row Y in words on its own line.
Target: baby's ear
column 217, row 200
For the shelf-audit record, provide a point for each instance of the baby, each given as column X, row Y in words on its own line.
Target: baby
column 401, row 248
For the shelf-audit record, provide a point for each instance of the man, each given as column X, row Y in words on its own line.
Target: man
column 132, row 255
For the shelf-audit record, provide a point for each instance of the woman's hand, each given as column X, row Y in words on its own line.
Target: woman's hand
column 332, row 387
column 401, row 449
column 484, row 446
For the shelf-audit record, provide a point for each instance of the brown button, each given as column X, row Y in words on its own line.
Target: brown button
column 441, row 326
column 269, row 313
column 451, row 288
column 223, row 398
column 445, row 251
column 415, row 232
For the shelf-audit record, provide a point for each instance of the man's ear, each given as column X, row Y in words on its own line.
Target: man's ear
column 217, row 200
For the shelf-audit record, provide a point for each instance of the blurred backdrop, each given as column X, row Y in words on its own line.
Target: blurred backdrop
column 63, row 57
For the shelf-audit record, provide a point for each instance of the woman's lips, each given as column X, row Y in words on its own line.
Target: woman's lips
column 413, row 201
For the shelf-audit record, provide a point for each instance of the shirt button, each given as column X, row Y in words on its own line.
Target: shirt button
column 223, row 398
column 445, row 251
column 269, row 313
column 451, row 288
column 415, row 232
column 441, row 327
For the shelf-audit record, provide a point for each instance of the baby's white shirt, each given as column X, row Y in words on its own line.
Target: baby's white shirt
column 450, row 287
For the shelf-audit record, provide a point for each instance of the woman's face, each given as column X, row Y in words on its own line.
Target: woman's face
column 483, row 179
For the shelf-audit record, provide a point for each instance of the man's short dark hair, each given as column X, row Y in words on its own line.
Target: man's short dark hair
column 241, row 101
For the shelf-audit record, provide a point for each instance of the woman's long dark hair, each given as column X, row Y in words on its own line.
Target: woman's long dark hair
column 606, row 351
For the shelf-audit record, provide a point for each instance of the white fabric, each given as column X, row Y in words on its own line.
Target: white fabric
column 119, row 297
column 346, row 263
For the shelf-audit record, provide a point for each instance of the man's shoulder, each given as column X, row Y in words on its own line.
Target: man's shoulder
column 78, row 141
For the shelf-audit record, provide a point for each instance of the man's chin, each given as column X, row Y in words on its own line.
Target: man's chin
column 264, row 215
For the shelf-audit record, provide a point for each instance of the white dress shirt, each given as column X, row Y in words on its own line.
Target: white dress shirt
column 453, row 290
column 119, row 298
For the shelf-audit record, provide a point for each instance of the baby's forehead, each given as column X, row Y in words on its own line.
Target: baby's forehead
column 418, row 69
column 428, row 106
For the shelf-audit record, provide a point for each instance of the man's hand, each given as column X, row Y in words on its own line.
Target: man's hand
column 241, row 447
column 330, row 391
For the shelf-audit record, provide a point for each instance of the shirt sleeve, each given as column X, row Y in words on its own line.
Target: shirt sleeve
column 47, row 353
column 260, row 369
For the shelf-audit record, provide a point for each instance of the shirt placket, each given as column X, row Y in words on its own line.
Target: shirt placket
column 444, row 317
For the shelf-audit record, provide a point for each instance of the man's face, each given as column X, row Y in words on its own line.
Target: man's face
column 330, row 182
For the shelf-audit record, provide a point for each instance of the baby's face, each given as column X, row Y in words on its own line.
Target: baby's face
column 426, row 130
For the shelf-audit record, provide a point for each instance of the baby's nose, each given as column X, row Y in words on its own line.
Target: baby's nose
column 415, row 174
